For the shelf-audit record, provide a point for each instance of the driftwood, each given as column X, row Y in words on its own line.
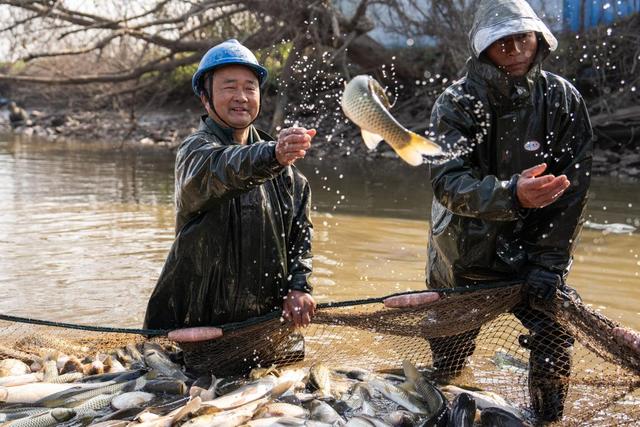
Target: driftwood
column 618, row 129
column 629, row 116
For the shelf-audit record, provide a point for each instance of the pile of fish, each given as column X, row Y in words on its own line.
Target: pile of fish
column 141, row 385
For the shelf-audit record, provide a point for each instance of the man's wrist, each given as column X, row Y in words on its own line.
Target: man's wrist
column 520, row 210
column 300, row 285
column 274, row 163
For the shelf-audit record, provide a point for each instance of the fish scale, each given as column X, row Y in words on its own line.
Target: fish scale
column 18, row 413
column 110, row 389
column 50, row 418
column 67, row 378
column 98, row 402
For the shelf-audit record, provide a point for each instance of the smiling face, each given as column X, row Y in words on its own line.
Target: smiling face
column 514, row 54
column 236, row 96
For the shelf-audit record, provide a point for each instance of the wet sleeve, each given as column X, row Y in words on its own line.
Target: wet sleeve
column 207, row 170
column 300, row 236
column 551, row 232
column 457, row 183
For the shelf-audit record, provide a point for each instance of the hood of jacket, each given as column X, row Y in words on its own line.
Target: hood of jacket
column 497, row 19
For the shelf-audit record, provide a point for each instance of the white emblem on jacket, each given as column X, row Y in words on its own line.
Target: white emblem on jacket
column 532, row 145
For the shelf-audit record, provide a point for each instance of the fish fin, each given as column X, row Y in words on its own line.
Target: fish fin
column 410, row 371
column 417, row 147
column 371, row 140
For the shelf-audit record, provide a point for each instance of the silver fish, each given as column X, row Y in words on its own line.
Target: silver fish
column 76, row 397
column 247, row 393
column 275, row 422
column 398, row 395
column 14, row 380
column 67, row 378
column 281, row 409
column 228, row 418
column 112, row 364
column 156, row 358
column 98, row 402
column 435, row 400
column 132, row 399
column 133, row 352
column 485, row 399
column 11, row 367
column 50, row 418
column 322, row 411
column 32, row 393
column 320, row 377
column 365, row 103
column 18, row 413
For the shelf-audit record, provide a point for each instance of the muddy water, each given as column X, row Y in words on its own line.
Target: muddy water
column 85, row 229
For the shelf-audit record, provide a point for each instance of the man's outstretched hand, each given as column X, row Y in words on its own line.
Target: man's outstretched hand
column 536, row 191
column 299, row 308
column 293, row 144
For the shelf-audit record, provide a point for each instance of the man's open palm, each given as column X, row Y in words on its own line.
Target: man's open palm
column 535, row 191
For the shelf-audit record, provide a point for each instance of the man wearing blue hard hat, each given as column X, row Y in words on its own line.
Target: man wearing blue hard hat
column 243, row 228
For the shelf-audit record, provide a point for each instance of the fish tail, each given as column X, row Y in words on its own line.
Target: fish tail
column 417, row 147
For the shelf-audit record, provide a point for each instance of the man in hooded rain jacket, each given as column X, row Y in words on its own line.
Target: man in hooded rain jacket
column 510, row 208
column 243, row 231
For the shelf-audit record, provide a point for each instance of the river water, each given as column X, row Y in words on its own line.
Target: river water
column 85, row 229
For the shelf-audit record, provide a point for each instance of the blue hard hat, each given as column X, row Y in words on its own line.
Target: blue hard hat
column 227, row 53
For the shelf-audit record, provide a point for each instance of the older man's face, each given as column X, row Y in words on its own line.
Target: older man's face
column 236, row 95
column 514, row 54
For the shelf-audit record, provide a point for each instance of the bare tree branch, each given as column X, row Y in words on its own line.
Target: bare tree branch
column 105, row 78
column 97, row 46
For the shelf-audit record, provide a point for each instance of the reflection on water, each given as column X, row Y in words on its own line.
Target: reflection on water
column 85, row 229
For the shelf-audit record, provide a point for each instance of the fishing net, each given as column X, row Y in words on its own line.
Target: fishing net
column 494, row 339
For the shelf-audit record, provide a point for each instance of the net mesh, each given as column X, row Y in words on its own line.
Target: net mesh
column 483, row 338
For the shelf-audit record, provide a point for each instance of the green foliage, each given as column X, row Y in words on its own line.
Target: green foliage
column 13, row 67
column 273, row 59
column 182, row 75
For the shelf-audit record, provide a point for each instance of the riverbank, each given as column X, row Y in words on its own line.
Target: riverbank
column 166, row 129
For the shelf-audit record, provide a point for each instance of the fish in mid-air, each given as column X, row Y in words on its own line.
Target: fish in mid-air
column 365, row 103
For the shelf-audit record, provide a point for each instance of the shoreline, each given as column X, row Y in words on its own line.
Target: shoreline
column 166, row 129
